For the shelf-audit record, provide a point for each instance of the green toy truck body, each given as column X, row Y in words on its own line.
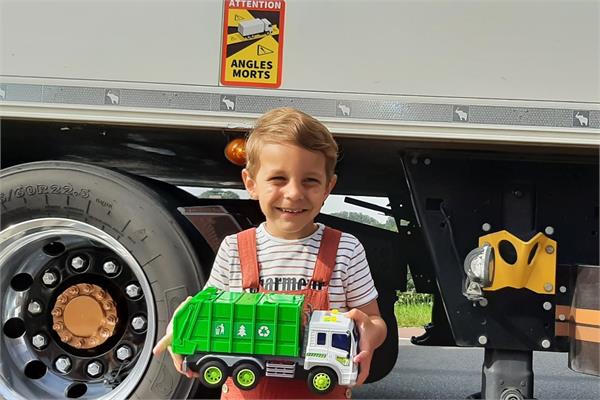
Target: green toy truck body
column 248, row 335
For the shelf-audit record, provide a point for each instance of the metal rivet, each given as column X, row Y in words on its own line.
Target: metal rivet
column 94, row 369
column 549, row 230
column 563, row 289
column 123, row 353
column 483, row 302
column 561, row 317
column 110, row 267
column 482, row 339
column 133, row 290
column 548, row 287
column 49, row 278
column 547, row 306
column 486, row 227
column 427, row 161
column 549, row 249
column 39, row 341
column 545, row 343
column 63, row 364
column 34, row 307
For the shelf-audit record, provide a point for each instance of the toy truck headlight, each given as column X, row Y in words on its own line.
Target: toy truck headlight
column 479, row 267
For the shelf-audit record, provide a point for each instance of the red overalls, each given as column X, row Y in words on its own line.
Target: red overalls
column 284, row 388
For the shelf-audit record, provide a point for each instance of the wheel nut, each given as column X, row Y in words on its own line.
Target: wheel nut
column 133, row 290
column 63, row 364
column 94, row 369
column 34, row 307
column 49, row 278
column 39, row 341
column 110, row 267
column 138, row 323
column 78, row 263
column 123, row 353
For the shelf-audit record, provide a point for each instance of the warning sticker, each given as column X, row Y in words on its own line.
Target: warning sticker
column 252, row 43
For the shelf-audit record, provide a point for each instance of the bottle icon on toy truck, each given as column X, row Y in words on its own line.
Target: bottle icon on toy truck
column 250, row 335
column 252, row 27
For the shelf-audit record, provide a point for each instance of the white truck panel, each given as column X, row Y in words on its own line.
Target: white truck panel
column 176, row 42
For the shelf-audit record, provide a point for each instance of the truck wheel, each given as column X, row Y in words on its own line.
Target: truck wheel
column 321, row 380
column 246, row 376
column 213, row 374
column 93, row 265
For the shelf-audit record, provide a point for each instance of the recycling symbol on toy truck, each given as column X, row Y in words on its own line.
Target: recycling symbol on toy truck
column 264, row 331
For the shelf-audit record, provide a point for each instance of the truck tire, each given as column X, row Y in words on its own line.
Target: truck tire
column 246, row 376
column 321, row 380
column 75, row 234
column 213, row 374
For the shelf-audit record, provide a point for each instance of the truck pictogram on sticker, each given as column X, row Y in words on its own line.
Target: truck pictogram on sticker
column 252, row 43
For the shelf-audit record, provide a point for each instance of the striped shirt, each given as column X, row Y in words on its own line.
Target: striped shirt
column 289, row 264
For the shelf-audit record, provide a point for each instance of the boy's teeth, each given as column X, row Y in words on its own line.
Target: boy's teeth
column 291, row 211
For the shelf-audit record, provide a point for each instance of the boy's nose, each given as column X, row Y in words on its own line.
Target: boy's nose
column 294, row 191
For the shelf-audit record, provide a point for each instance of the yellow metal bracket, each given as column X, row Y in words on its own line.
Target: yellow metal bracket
column 534, row 268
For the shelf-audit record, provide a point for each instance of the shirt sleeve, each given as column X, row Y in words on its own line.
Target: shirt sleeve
column 219, row 274
column 360, row 288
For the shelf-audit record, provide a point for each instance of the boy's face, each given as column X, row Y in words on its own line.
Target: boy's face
column 290, row 185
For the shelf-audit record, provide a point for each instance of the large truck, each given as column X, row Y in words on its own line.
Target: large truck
column 250, row 335
column 479, row 122
column 255, row 27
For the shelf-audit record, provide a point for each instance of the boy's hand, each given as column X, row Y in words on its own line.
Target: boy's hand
column 165, row 343
column 372, row 330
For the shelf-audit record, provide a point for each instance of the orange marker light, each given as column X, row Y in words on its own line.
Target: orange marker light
column 235, row 151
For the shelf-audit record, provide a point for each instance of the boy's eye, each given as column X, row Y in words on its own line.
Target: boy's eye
column 277, row 178
column 313, row 180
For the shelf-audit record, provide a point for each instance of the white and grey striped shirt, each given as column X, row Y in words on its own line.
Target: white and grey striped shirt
column 289, row 264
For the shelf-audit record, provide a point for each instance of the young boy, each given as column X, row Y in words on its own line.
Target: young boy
column 290, row 166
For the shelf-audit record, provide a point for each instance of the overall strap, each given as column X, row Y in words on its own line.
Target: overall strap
column 327, row 255
column 248, row 260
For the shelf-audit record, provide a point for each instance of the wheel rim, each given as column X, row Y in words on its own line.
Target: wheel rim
column 246, row 377
column 213, row 375
column 25, row 256
column 322, row 381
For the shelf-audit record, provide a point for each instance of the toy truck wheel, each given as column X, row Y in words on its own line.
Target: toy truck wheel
column 246, row 376
column 213, row 374
column 321, row 380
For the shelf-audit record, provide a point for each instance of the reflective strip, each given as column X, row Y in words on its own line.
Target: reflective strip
column 579, row 315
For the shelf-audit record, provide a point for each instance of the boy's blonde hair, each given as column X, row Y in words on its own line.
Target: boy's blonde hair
column 288, row 125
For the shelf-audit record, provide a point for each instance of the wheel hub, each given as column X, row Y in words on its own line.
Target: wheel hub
column 84, row 316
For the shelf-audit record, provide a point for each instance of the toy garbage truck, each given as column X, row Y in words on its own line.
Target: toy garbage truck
column 255, row 26
column 250, row 335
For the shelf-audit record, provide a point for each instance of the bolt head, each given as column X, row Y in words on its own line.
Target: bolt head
column 94, row 369
column 123, row 353
column 49, row 278
column 545, row 343
column 486, row 227
column 78, row 263
column 110, row 267
column 548, row 287
column 547, row 306
column 39, row 341
column 549, row 249
column 549, row 230
column 133, row 290
column 482, row 339
column 563, row 289
column 562, row 317
column 63, row 364
column 483, row 302
column 138, row 323
column 34, row 307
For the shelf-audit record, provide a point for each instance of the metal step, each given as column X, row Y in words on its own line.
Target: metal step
column 281, row 370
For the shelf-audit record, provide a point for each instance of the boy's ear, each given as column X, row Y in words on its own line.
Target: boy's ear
column 331, row 183
column 249, row 183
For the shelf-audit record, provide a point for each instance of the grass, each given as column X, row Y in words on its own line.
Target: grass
column 413, row 309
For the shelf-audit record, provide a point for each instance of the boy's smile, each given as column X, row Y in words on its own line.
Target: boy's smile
column 290, row 185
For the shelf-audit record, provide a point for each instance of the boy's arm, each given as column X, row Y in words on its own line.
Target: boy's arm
column 373, row 331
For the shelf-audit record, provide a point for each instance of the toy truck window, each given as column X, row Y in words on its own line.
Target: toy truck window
column 321, row 338
column 341, row 341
